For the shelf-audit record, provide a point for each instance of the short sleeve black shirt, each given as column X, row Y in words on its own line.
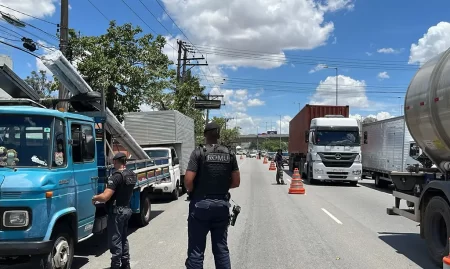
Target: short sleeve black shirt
column 194, row 161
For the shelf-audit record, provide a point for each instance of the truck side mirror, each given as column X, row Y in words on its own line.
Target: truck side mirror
column 306, row 136
column 365, row 137
column 175, row 161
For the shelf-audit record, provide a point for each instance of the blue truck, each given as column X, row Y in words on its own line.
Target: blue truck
column 51, row 164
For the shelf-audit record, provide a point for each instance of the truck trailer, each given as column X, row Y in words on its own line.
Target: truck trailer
column 387, row 146
column 427, row 189
column 324, row 144
column 167, row 133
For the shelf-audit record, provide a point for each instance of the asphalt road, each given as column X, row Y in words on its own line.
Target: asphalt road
column 332, row 226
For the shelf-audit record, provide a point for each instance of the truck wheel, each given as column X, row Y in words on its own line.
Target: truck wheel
column 176, row 192
column 143, row 218
column 311, row 180
column 437, row 228
column 62, row 253
column 380, row 183
column 353, row 183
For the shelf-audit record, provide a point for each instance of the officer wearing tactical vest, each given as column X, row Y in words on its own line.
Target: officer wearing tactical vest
column 117, row 197
column 212, row 171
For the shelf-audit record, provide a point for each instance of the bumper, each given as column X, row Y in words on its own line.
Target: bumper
column 323, row 173
column 21, row 248
column 163, row 187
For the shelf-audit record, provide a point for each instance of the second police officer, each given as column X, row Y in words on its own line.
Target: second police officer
column 212, row 171
column 117, row 197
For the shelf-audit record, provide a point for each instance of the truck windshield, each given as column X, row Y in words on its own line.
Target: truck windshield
column 157, row 153
column 336, row 138
column 25, row 140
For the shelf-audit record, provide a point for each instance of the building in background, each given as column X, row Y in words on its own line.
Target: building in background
column 5, row 60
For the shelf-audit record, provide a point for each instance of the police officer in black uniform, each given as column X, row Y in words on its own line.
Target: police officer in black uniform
column 117, row 197
column 211, row 172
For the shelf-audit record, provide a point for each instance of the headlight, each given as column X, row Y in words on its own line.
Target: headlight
column 318, row 171
column 15, row 219
column 356, row 172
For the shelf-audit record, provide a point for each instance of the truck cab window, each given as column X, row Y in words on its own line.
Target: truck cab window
column 59, row 145
column 173, row 153
column 83, row 149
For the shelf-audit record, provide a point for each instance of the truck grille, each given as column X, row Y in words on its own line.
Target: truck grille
column 343, row 160
column 10, row 195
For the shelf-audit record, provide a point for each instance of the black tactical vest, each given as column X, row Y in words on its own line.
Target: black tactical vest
column 124, row 191
column 214, row 174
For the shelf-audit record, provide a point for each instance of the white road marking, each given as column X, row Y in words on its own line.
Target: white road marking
column 331, row 216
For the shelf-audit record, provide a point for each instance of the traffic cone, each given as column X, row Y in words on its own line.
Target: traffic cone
column 265, row 160
column 446, row 261
column 296, row 184
column 272, row 166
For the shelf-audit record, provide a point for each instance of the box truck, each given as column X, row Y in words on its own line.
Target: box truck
column 167, row 133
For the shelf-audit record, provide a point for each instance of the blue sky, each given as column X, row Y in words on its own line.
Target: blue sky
column 376, row 46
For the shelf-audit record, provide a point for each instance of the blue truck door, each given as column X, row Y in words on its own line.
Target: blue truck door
column 85, row 173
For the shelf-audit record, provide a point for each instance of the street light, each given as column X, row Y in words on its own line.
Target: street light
column 329, row 67
column 280, row 131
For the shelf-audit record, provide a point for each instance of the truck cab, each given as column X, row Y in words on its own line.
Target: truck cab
column 48, row 175
column 334, row 150
column 170, row 185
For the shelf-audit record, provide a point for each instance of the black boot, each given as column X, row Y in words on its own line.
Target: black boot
column 125, row 266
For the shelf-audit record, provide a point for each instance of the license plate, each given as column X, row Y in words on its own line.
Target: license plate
column 338, row 170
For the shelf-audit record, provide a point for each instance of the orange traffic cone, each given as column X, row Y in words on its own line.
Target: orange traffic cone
column 265, row 160
column 272, row 166
column 296, row 184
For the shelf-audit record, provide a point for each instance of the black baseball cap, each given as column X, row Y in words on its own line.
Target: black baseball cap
column 212, row 126
column 119, row 155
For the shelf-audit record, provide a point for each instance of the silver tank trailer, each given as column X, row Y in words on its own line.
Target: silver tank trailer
column 427, row 109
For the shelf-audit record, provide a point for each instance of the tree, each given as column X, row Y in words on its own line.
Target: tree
column 228, row 137
column 273, row 145
column 369, row 120
column 39, row 82
column 134, row 64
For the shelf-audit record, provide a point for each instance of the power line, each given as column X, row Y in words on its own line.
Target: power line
column 104, row 16
column 29, row 15
column 156, row 18
column 167, row 13
column 24, row 50
column 29, row 34
column 137, row 15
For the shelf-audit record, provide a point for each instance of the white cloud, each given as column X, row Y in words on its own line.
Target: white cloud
column 389, row 50
column 379, row 116
column 241, row 94
column 369, row 53
column 317, row 68
column 435, row 41
column 268, row 26
column 334, row 41
column 383, row 75
column 37, row 8
column 145, row 107
column 350, row 92
column 255, row 102
column 229, row 97
column 284, row 124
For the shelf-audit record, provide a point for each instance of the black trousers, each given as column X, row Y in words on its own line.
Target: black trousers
column 208, row 216
column 117, row 237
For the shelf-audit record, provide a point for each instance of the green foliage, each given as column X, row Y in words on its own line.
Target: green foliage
column 273, row 145
column 134, row 64
column 39, row 82
column 228, row 137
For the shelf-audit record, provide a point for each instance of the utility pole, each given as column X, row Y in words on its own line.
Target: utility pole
column 183, row 61
column 63, row 44
column 180, row 46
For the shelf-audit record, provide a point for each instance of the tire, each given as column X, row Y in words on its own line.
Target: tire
column 144, row 216
column 176, row 192
column 353, row 183
column 437, row 228
column 311, row 180
column 63, row 247
column 380, row 183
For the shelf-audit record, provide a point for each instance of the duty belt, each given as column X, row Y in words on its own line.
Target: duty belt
column 215, row 196
column 119, row 209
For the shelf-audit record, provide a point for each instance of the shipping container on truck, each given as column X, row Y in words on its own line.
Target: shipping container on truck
column 387, row 146
column 297, row 146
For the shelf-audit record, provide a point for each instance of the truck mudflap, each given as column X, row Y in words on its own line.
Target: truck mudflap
column 21, row 248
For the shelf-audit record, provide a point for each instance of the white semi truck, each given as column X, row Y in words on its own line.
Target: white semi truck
column 427, row 189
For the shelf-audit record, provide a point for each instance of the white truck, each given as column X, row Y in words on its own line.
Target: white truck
column 334, row 150
column 388, row 146
column 166, row 133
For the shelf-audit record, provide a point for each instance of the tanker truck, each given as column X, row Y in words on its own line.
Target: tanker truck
column 425, row 187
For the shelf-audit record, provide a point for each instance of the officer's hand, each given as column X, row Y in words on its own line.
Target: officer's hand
column 93, row 200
